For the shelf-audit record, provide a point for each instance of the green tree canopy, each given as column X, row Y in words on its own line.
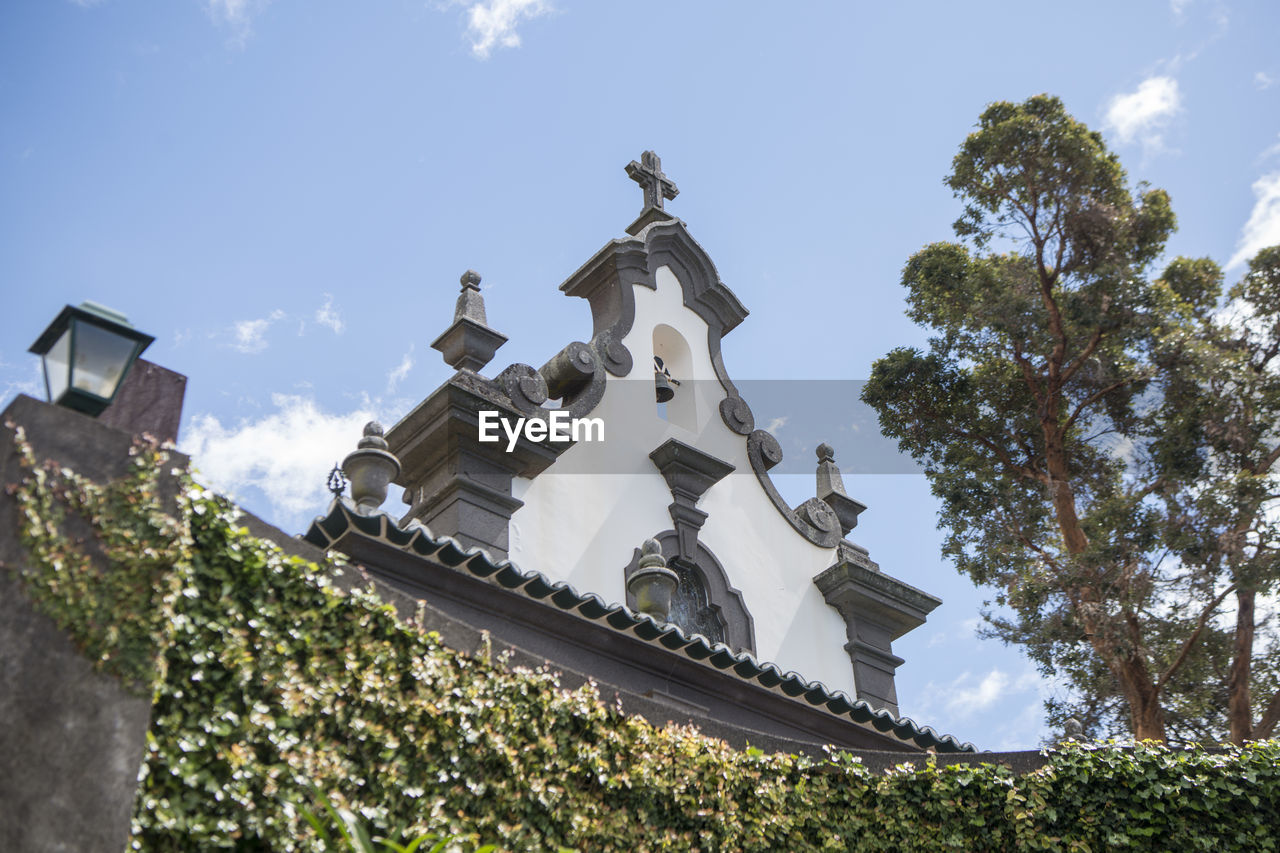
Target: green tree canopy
column 1102, row 439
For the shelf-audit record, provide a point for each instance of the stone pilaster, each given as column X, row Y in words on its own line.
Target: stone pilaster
column 877, row 610
column 454, row 483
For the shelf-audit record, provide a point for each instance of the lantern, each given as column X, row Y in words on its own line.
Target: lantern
column 87, row 352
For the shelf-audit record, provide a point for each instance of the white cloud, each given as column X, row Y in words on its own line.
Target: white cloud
column 1268, row 153
column 1143, row 114
column 492, row 23
column 967, row 699
column 251, row 334
column 396, row 376
column 968, row 695
column 1214, row 10
column 85, row 4
column 1263, row 228
column 1263, row 80
column 32, row 386
column 1025, row 727
column 965, row 631
column 285, row 455
column 777, row 424
column 236, row 15
column 326, row 315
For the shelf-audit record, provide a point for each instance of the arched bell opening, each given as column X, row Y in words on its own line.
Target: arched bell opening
column 673, row 373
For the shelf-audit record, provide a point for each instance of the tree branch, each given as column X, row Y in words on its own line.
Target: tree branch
column 1095, row 397
column 1029, row 375
column 1194, row 638
column 1079, row 360
column 1003, row 456
column 1044, row 555
column 1266, row 462
column 1267, row 725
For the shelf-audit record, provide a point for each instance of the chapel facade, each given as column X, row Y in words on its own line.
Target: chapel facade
column 629, row 486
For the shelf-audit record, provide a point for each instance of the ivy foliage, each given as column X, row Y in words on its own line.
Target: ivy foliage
column 271, row 680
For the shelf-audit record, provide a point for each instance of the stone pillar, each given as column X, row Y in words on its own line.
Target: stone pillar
column 877, row 610
column 72, row 739
column 454, row 483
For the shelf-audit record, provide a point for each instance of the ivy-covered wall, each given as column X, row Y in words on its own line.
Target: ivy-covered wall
column 270, row 681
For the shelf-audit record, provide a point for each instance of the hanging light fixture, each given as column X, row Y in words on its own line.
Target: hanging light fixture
column 87, row 352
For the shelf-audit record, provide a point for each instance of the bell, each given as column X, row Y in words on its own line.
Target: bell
column 663, row 387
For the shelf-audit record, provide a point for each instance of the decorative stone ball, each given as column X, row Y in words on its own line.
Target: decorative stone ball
column 826, row 453
column 471, row 279
column 651, row 555
column 372, row 437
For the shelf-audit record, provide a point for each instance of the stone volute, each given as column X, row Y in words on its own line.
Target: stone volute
column 653, row 584
column 370, row 469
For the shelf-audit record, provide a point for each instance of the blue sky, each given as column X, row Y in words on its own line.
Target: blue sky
column 285, row 194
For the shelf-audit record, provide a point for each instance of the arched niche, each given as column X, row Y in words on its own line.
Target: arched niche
column 671, row 347
column 704, row 602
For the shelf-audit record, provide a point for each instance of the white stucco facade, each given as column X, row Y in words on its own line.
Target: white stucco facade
column 582, row 518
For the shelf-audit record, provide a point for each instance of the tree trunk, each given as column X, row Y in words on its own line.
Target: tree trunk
column 1145, row 713
column 1239, row 698
column 1146, row 716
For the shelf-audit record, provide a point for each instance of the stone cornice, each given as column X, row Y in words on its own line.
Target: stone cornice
column 866, row 593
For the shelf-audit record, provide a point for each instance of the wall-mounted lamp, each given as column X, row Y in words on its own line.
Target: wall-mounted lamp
column 87, row 352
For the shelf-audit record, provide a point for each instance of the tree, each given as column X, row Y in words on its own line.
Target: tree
column 1102, row 441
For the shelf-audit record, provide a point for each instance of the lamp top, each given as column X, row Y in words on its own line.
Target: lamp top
column 94, row 314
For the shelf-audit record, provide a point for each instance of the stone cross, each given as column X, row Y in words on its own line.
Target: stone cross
column 648, row 174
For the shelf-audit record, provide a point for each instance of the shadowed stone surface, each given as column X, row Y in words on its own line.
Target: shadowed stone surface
column 149, row 401
column 877, row 609
column 71, row 739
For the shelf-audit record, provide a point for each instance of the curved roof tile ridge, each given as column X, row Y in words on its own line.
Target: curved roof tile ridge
column 479, row 563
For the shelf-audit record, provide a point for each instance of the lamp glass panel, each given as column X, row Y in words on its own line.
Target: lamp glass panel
column 56, row 366
column 101, row 358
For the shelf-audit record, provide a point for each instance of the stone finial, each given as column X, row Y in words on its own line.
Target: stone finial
column 370, row 469
column 831, row 490
column 373, row 437
column 652, row 583
column 648, row 174
column 470, row 300
column 1072, row 729
column 656, row 185
column 651, row 555
column 469, row 344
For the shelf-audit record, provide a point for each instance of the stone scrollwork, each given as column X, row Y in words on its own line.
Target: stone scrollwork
column 525, row 386
column 576, row 377
column 736, row 415
column 821, row 516
column 763, row 446
column 818, row 524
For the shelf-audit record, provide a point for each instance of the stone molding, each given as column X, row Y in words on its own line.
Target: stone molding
column 454, row 483
column 501, row 598
column 877, row 609
column 689, row 472
column 764, row 452
column 606, row 282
